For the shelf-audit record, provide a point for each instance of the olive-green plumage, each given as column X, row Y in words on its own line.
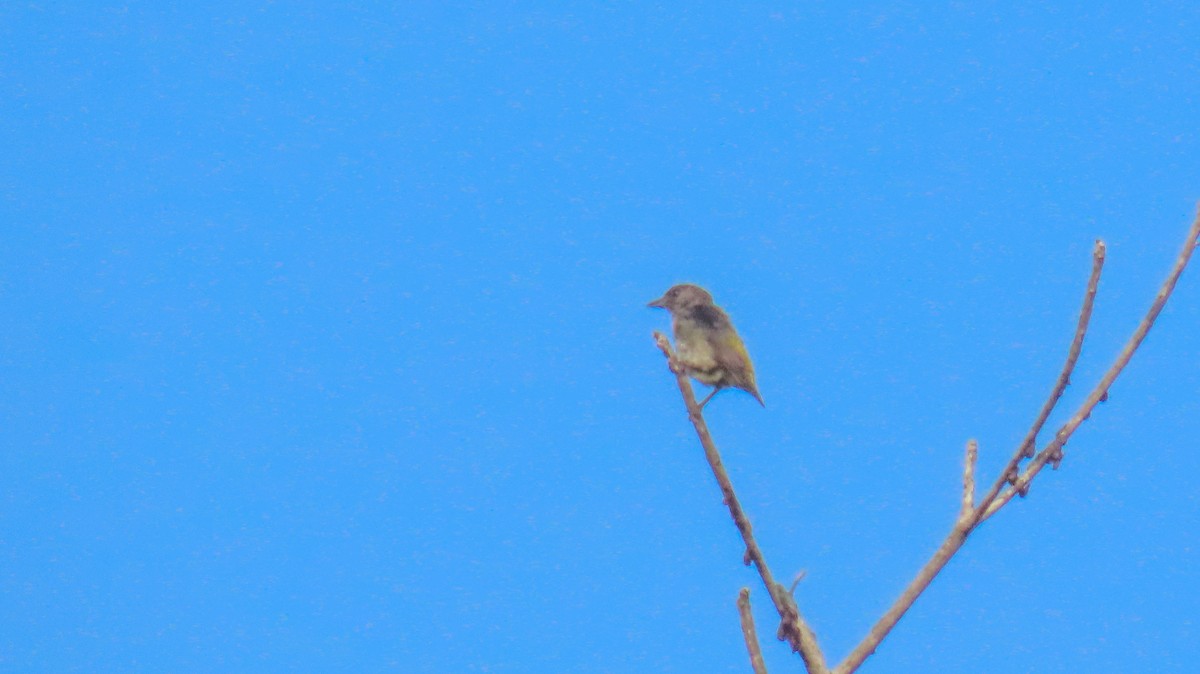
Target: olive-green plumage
column 706, row 343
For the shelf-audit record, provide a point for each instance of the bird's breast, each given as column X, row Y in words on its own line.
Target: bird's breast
column 696, row 353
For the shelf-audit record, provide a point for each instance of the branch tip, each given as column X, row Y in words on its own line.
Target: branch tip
column 749, row 633
column 968, row 496
column 799, row 577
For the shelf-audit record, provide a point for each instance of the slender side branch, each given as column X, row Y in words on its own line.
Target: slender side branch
column 756, row 658
column 793, row 627
column 1025, row 450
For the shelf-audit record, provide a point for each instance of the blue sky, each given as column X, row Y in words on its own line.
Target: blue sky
column 325, row 344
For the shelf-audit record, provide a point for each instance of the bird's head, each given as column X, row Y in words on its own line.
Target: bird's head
column 682, row 297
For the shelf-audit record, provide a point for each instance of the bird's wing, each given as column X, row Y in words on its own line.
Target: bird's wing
column 732, row 356
column 735, row 361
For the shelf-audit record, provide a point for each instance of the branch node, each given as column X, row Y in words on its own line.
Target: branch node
column 789, row 613
column 1055, row 457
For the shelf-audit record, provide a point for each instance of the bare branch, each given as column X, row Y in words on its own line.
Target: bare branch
column 792, row 628
column 1025, row 449
column 884, row 625
column 756, row 658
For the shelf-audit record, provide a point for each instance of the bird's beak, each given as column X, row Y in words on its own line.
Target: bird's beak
column 660, row 303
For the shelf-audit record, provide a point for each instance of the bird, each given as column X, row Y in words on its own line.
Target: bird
column 706, row 343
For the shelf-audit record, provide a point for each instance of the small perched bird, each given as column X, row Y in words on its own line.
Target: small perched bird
column 706, row 343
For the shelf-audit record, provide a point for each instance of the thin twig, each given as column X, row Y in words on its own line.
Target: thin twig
column 756, row 658
column 1025, row 449
column 792, row 628
column 968, row 497
column 799, row 577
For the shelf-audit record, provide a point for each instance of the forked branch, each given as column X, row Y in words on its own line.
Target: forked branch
column 1052, row 452
column 994, row 500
